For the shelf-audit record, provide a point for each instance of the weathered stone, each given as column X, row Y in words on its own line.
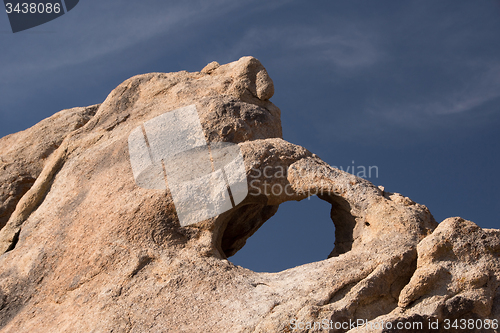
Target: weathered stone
column 457, row 277
column 88, row 250
column 23, row 154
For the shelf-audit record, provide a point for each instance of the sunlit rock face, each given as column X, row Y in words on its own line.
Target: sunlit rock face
column 90, row 244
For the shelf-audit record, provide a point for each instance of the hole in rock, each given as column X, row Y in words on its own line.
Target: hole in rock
column 15, row 239
column 299, row 233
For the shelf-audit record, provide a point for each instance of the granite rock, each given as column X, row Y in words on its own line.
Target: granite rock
column 85, row 249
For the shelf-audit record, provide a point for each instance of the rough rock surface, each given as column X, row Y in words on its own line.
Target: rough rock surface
column 23, row 154
column 87, row 250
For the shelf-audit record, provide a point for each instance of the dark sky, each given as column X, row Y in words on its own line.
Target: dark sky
column 411, row 87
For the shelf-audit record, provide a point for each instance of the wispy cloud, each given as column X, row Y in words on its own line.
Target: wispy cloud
column 459, row 97
column 348, row 48
column 95, row 29
column 351, row 48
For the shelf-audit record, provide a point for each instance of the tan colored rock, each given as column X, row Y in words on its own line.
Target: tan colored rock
column 23, row 154
column 457, row 278
column 97, row 253
column 210, row 67
column 459, row 262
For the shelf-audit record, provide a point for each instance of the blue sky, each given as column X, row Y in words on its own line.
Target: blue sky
column 412, row 87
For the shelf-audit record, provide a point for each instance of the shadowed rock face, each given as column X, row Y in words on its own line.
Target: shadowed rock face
column 87, row 250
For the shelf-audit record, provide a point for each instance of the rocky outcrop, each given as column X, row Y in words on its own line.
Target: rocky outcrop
column 23, row 154
column 85, row 249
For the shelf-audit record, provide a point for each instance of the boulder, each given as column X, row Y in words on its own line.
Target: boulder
column 85, row 248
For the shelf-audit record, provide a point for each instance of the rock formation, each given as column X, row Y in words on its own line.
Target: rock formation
column 84, row 249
